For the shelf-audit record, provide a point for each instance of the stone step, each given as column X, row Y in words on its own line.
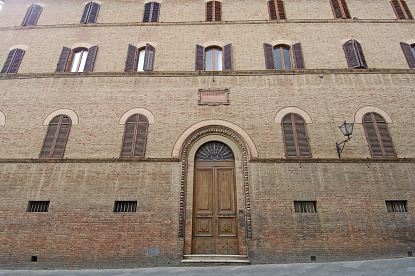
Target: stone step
column 215, row 259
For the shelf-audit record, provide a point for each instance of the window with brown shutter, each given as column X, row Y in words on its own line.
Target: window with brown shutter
column 409, row 52
column 276, row 9
column 32, row 15
column 56, row 137
column 377, row 135
column 214, row 58
column 135, row 137
column 90, row 13
column 151, row 12
column 213, row 11
column 13, row 61
column 354, row 54
column 283, row 57
column 401, row 9
column 295, row 136
column 140, row 59
column 77, row 60
column 340, row 9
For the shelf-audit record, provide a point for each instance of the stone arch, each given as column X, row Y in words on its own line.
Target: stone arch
column 358, row 117
column 292, row 109
column 190, row 145
column 2, row 118
column 69, row 112
column 140, row 110
column 180, row 142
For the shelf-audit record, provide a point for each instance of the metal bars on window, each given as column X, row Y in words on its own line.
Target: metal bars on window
column 125, row 206
column 38, row 206
column 396, row 206
column 305, row 206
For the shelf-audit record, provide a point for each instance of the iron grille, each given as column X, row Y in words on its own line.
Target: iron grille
column 396, row 206
column 38, row 206
column 125, row 206
column 305, row 206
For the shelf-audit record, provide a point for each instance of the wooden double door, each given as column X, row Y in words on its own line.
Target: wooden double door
column 215, row 225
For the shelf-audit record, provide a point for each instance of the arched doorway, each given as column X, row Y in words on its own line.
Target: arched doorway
column 215, row 225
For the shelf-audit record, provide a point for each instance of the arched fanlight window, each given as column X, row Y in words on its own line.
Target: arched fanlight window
column 295, row 136
column 214, row 151
column 135, row 136
column 377, row 135
column 56, row 137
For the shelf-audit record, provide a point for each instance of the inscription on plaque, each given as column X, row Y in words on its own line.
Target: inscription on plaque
column 214, row 97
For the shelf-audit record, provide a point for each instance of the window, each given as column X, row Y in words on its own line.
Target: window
column 409, row 52
column 125, row 207
column 295, row 136
column 213, row 11
column 214, row 58
column 305, row 206
column 38, row 206
column 283, row 57
column 401, row 9
column 1, row 5
column 56, row 137
column 135, row 136
column 276, row 9
column 141, row 59
column 151, row 12
column 32, row 15
column 90, row 13
column 13, row 61
column 396, row 206
column 377, row 135
column 77, row 60
column 354, row 54
column 340, row 9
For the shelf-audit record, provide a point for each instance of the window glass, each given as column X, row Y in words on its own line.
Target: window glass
column 277, row 58
column 79, row 60
column 282, row 57
column 141, row 56
column 213, row 59
column 287, row 58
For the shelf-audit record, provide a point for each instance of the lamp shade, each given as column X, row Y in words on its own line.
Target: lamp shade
column 346, row 128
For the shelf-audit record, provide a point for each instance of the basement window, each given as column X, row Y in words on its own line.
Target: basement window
column 305, row 206
column 396, row 206
column 38, row 206
column 125, row 206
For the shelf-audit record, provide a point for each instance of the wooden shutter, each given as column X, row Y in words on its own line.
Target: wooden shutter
column 269, row 56
column 147, row 12
column 200, row 57
column 131, row 60
column 218, row 11
column 63, row 60
column 13, row 61
column 90, row 60
column 377, row 135
column 85, row 14
column 298, row 56
column 149, row 57
column 295, row 136
column 354, row 54
column 32, row 15
column 346, row 13
column 272, row 9
column 281, row 9
column 209, row 11
column 93, row 14
column 276, row 9
column 56, row 137
column 135, row 136
column 409, row 55
column 340, row 9
column 401, row 9
column 155, row 12
column 227, row 51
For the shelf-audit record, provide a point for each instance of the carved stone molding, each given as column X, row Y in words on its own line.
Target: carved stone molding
column 229, row 133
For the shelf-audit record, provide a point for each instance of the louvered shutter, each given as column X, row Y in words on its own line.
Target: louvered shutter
column 93, row 14
column 141, row 136
column 49, row 141
column 27, row 15
column 128, row 139
column 352, row 54
column 209, row 11
column 200, row 56
column 301, row 137
column 56, row 137
column 409, row 54
column 401, row 9
column 155, row 12
column 227, row 57
column 85, row 14
column 335, row 5
column 281, row 9
column 147, row 11
column 90, row 60
column 149, row 57
column 289, row 139
column 63, row 60
column 135, row 136
column 131, row 60
column 295, row 136
column 13, row 61
column 378, row 137
column 406, row 9
column 218, row 11
column 35, row 11
column 8, row 62
column 269, row 56
column 272, row 10
column 346, row 13
column 360, row 54
column 298, row 56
